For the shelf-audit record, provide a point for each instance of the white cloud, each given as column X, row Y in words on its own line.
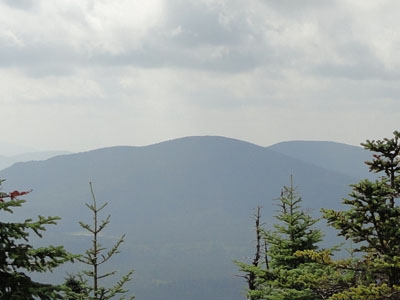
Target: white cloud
column 17, row 87
column 81, row 74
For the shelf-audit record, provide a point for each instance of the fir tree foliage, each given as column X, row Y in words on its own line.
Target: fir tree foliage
column 89, row 286
column 294, row 231
column 19, row 259
column 372, row 222
column 286, row 274
column 299, row 270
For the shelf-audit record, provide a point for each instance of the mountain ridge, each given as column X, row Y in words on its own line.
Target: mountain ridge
column 7, row 161
column 340, row 157
column 185, row 205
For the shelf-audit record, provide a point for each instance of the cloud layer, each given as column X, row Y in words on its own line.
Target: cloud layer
column 83, row 74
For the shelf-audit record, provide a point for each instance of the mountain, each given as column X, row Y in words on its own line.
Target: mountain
column 338, row 157
column 6, row 161
column 185, row 205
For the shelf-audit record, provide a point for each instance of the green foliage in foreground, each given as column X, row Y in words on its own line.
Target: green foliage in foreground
column 372, row 222
column 86, row 285
column 18, row 258
column 285, row 279
column 298, row 270
column 287, row 274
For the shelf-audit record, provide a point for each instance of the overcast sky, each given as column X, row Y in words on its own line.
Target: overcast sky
column 83, row 74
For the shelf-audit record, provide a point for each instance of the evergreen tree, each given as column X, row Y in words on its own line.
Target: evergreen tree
column 373, row 223
column 77, row 288
column 18, row 258
column 288, row 274
column 95, row 257
column 294, row 232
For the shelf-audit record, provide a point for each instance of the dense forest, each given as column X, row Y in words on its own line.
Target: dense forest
column 288, row 262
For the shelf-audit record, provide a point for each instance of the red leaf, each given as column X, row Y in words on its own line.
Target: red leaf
column 18, row 193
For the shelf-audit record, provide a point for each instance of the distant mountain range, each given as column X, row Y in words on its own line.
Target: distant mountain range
column 6, row 161
column 341, row 158
column 185, row 204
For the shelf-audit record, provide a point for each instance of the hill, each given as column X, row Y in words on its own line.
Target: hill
column 6, row 161
column 185, row 205
column 338, row 157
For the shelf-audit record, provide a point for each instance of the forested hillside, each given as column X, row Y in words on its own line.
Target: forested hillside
column 185, row 206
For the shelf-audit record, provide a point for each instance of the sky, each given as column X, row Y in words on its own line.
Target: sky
column 83, row 74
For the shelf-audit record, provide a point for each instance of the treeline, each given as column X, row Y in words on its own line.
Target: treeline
column 289, row 265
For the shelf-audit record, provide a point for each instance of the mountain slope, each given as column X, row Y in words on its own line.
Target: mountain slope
column 185, row 204
column 338, row 157
column 6, row 161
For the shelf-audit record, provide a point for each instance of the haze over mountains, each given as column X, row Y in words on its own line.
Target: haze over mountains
column 185, row 204
column 341, row 158
column 9, row 149
column 6, row 161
